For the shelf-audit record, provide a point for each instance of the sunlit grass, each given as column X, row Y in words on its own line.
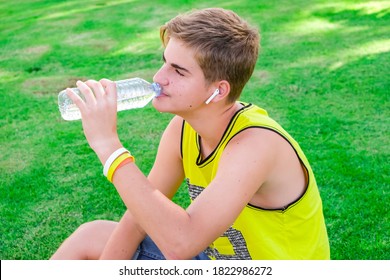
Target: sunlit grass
column 322, row 73
column 377, row 8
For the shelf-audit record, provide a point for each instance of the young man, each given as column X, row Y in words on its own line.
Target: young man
column 253, row 192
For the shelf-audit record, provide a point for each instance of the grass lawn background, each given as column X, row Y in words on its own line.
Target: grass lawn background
column 323, row 73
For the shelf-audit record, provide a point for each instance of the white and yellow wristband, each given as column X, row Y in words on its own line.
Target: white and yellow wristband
column 116, row 160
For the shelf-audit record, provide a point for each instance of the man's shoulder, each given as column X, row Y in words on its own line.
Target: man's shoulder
column 176, row 124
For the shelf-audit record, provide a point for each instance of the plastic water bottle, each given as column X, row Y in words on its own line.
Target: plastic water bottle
column 131, row 93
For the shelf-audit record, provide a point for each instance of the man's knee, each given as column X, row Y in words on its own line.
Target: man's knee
column 90, row 226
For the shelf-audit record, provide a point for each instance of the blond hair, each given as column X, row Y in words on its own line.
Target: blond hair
column 226, row 47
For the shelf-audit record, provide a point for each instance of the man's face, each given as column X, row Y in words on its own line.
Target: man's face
column 182, row 80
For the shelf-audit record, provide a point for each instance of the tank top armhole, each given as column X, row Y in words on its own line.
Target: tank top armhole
column 182, row 139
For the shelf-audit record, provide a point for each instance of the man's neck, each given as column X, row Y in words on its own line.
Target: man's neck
column 210, row 126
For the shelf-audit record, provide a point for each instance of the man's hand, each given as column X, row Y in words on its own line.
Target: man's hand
column 99, row 115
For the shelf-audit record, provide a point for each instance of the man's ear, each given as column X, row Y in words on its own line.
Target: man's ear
column 224, row 89
column 221, row 91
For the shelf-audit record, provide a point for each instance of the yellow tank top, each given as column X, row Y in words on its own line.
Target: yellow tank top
column 296, row 232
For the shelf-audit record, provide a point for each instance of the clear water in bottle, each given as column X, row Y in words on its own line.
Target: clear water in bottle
column 131, row 93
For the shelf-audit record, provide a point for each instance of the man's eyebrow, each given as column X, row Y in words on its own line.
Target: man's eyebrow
column 174, row 65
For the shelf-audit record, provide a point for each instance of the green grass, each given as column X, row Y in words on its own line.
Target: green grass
column 323, row 73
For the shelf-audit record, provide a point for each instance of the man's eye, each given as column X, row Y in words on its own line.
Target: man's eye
column 178, row 72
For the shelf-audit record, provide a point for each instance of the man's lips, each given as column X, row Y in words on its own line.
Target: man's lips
column 162, row 94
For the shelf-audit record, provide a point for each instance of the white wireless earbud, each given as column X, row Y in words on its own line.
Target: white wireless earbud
column 215, row 93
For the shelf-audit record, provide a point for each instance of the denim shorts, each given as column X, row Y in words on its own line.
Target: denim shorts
column 148, row 250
